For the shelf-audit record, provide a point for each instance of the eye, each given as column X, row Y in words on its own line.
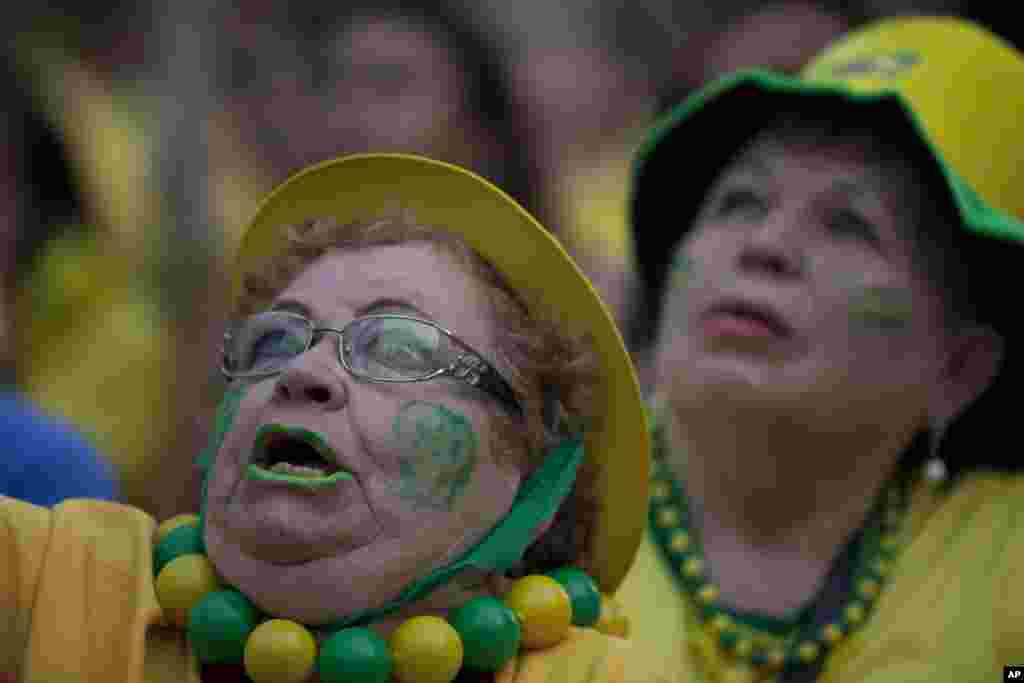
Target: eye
column 739, row 200
column 400, row 348
column 847, row 223
column 270, row 347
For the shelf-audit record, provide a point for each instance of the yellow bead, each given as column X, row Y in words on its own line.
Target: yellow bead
column 721, row 623
column 881, row 567
column 808, row 651
column 737, row 674
column 776, row 658
column 693, row 567
column 660, row 491
column 613, row 620
column 743, row 648
column 543, row 608
column 707, row 594
column 889, row 542
column 832, row 633
column 763, row 641
column 868, row 588
column 426, row 650
column 280, row 651
column 169, row 525
column 668, row 517
column 679, row 541
column 182, row 583
column 854, row 613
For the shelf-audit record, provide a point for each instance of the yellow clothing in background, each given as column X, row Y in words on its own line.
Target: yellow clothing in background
column 77, row 605
column 951, row 612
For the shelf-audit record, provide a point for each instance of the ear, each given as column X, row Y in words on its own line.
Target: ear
column 975, row 359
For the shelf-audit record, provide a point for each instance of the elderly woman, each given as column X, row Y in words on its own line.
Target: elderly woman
column 418, row 373
column 832, row 344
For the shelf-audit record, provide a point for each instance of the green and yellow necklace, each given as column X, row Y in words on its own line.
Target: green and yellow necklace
column 748, row 641
column 485, row 633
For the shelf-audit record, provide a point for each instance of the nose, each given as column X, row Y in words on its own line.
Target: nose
column 771, row 249
column 314, row 378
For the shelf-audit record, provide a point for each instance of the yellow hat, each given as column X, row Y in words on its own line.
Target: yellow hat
column 454, row 199
column 957, row 86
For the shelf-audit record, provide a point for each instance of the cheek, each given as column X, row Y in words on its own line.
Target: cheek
column 437, row 448
column 881, row 310
column 225, row 438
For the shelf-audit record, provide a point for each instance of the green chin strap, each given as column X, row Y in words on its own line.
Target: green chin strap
column 537, row 501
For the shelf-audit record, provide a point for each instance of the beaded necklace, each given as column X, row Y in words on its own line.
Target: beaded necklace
column 739, row 638
column 483, row 634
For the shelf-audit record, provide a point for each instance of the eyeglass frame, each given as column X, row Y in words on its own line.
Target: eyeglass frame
column 469, row 366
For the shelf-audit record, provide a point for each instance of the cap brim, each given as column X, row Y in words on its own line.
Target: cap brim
column 451, row 198
column 685, row 150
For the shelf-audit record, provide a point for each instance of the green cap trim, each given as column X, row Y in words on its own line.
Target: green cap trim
column 976, row 214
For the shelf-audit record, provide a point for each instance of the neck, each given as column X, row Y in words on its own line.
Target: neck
column 772, row 485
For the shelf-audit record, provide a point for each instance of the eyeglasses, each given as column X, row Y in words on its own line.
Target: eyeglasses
column 376, row 348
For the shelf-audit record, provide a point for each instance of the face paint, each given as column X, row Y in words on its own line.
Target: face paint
column 226, row 413
column 438, row 451
column 880, row 309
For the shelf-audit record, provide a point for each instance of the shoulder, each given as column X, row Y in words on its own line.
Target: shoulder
column 43, row 460
column 586, row 656
column 83, row 566
column 987, row 500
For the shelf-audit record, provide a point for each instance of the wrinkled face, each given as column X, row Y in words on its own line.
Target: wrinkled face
column 394, row 86
column 799, row 283
column 425, row 482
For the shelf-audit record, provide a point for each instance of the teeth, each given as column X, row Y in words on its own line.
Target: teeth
column 297, row 470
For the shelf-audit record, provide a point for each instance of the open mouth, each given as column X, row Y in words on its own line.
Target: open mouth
column 294, row 455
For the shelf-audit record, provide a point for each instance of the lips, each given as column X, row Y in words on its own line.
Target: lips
column 758, row 313
column 294, row 455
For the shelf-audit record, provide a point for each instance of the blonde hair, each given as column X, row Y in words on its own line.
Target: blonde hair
column 544, row 365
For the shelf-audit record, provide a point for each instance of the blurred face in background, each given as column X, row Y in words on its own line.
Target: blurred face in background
column 394, row 85
column 782, row 37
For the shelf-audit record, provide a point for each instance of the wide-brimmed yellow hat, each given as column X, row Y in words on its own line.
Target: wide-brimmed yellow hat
column 451, row 198
column 946, row 85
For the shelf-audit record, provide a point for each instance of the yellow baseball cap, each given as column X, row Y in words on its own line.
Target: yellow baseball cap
column 948, row 83
column 360, row 187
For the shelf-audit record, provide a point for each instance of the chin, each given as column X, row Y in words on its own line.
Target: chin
column 309, row 592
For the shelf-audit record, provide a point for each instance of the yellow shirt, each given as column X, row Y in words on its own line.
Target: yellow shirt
column 77, row 605
column 949, row 613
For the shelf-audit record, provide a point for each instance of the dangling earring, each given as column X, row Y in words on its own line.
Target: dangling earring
column 935, row 469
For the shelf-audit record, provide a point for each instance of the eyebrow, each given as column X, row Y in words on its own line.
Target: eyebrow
column 751, row 163
column 295, row 306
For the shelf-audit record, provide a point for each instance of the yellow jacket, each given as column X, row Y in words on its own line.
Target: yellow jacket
column 77, row 605
column 952, row 611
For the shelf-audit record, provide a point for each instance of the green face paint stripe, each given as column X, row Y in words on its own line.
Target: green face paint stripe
column 444, row 450
column 887, row 308
column 258, row 473
column 226, row 413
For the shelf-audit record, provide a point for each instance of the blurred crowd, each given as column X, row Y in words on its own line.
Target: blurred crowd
column 163, row 126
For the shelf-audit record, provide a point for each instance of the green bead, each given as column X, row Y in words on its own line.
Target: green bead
column 185, row 540
column 219, row 625
column 583, row 593
column 354, row 655
column 728, row 639
column 489, row 631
